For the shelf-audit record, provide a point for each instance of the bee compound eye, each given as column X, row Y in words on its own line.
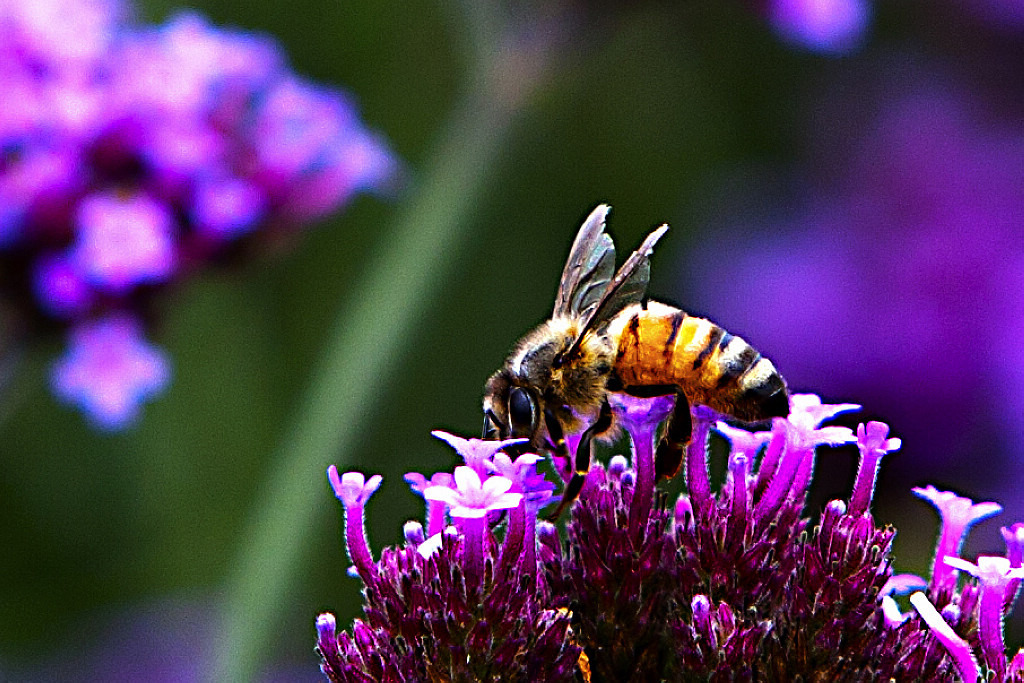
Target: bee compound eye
column 521, row 411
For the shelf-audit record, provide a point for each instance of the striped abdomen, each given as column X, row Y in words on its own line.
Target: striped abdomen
column 660, row 345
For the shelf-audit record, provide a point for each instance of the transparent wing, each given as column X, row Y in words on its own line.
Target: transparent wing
column 588, row 271
column 627, row 287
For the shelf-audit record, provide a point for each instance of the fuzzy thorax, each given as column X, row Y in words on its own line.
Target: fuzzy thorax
column 580, row 380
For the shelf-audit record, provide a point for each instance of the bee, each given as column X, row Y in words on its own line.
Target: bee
column 604, row 336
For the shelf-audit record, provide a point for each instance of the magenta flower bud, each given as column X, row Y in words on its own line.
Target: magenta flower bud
column 327, row 637
column 123, row 241
column 617, row 467
column 702, row 620
column 412, row 532
column 683, row 512
column 1013, row 536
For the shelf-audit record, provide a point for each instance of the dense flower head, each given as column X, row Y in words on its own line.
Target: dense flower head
column 733, row 583
column 133, row 155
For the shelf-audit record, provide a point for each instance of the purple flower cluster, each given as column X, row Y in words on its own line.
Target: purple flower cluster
column 721, row 585
column 131, row 156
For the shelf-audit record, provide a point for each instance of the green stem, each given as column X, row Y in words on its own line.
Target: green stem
column 371, row 331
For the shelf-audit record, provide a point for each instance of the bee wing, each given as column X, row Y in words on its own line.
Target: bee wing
column 588, row 271
column 626, row 288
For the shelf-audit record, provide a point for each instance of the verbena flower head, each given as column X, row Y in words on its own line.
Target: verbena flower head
column 727, row 583
column 135, row 155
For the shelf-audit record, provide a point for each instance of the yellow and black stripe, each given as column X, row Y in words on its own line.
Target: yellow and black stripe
column 662, row 345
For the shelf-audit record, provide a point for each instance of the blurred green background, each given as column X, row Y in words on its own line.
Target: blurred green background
column 657, row 108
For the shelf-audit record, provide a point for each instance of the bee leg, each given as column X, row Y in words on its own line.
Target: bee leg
column 582, row 463
column 556, row 438
column 669, row 455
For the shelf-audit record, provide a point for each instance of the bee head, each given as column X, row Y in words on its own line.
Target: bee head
column 510, row 409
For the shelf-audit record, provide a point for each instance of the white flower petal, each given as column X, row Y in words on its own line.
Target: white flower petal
column 964, row 565
column 466, row 479
column 496, row 485
column 442, row 494
column 463, row 512
column 506, row 501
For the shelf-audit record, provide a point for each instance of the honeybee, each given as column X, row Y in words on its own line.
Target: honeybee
column 605, row 336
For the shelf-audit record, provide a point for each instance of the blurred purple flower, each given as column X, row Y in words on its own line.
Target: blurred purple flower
column 133, row 155
column 826, row 26
column 109, row 370
column 60, row 287
column 839, row 27
column 727, row 588
column 907, row 245
column 123, row 242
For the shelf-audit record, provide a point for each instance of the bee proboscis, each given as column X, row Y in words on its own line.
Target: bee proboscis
column 603, row 337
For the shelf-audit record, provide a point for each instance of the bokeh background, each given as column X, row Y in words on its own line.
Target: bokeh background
column 855, row 210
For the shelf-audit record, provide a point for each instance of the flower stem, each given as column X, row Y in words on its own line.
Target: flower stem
column 697, row 465
column 473, row 529
column 990, row 626
column 355, row 541
column 643, row 489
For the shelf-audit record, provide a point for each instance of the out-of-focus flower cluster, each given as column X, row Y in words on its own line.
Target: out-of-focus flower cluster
column 837, row 27
column 912, row 225
column 132, row 155
column 721, row 585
